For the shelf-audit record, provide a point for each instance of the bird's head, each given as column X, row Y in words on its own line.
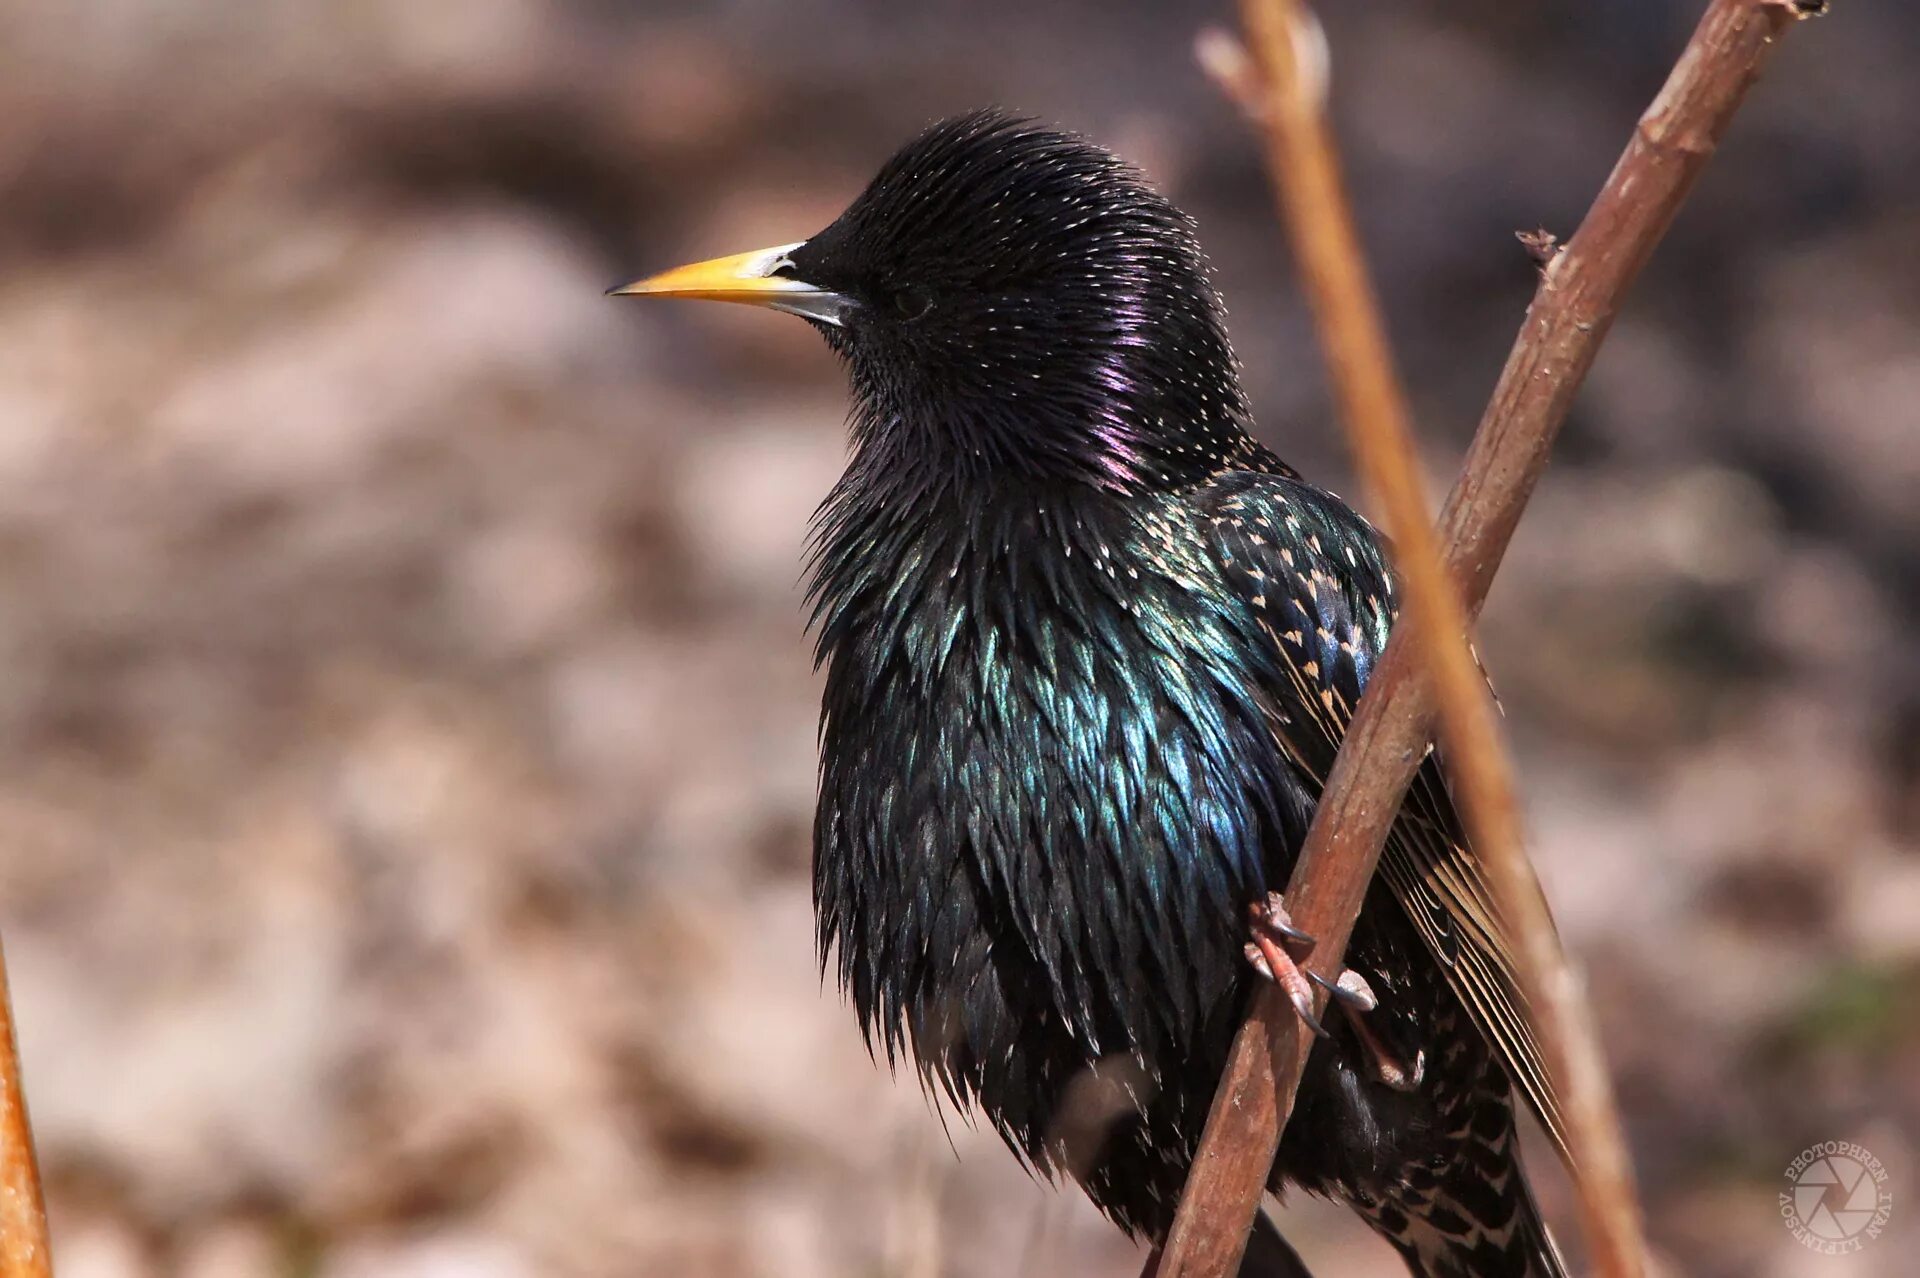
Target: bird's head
column 1009, row 300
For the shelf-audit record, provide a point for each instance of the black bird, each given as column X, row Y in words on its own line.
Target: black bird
column 1089, row 650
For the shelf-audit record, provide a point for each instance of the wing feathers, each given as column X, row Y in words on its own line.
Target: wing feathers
column 1315, row 574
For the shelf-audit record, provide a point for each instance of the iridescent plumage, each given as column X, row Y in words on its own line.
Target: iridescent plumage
column 1089, row 650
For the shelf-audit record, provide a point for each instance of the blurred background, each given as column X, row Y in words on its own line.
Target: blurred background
column 405, row 781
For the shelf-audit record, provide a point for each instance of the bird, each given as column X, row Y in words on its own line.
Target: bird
column 1088, row 648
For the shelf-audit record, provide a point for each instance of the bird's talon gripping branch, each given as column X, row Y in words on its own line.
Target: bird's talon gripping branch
column 1270, row 916
column 1351, row 991
column 1278, row 966
column 1275, row 952
column 1352, row 995
column 1356, row 998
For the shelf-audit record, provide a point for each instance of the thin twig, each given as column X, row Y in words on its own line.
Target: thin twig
column 24, row 1252
column 1579, row 295
column 1275, row 85
column 1303, row 159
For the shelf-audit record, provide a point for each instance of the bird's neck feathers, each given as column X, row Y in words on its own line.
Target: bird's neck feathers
column 966, row 495
column 918, row 557
column 1122, row 380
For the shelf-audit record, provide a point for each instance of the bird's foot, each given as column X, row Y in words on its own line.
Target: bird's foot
column 1276, row 951
column 1390, row 1069
column 1356, row 998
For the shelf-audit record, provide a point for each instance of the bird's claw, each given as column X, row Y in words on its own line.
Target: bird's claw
column 1356, row 998
column 1275, row 952
column 1269, row 916
column 1278, row 966
column 1350, row 991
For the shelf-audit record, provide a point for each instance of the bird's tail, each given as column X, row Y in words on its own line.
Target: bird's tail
column 1475, row 1216
column 1485, row 1248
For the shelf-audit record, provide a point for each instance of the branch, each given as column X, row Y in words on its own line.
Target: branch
column 1579, row 295
column 1302, row 156
column 23, row 1211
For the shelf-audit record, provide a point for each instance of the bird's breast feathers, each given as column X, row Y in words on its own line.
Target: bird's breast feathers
column 1054, row 718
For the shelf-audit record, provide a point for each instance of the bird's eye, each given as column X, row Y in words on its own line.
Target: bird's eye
column 912, row 303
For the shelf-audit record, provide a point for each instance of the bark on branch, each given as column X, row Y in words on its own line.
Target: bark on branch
column 23, row 1212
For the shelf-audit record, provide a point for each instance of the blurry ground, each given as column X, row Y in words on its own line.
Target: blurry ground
column 404, row 774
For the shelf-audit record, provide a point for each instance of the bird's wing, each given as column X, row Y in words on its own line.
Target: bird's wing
column 1317, row 579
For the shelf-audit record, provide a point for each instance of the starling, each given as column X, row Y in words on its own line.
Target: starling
column 1089, row 649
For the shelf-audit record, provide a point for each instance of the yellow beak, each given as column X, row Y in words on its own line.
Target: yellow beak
column 755, row 278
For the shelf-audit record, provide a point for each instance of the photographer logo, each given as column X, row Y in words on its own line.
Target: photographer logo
column 1836, row 1199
